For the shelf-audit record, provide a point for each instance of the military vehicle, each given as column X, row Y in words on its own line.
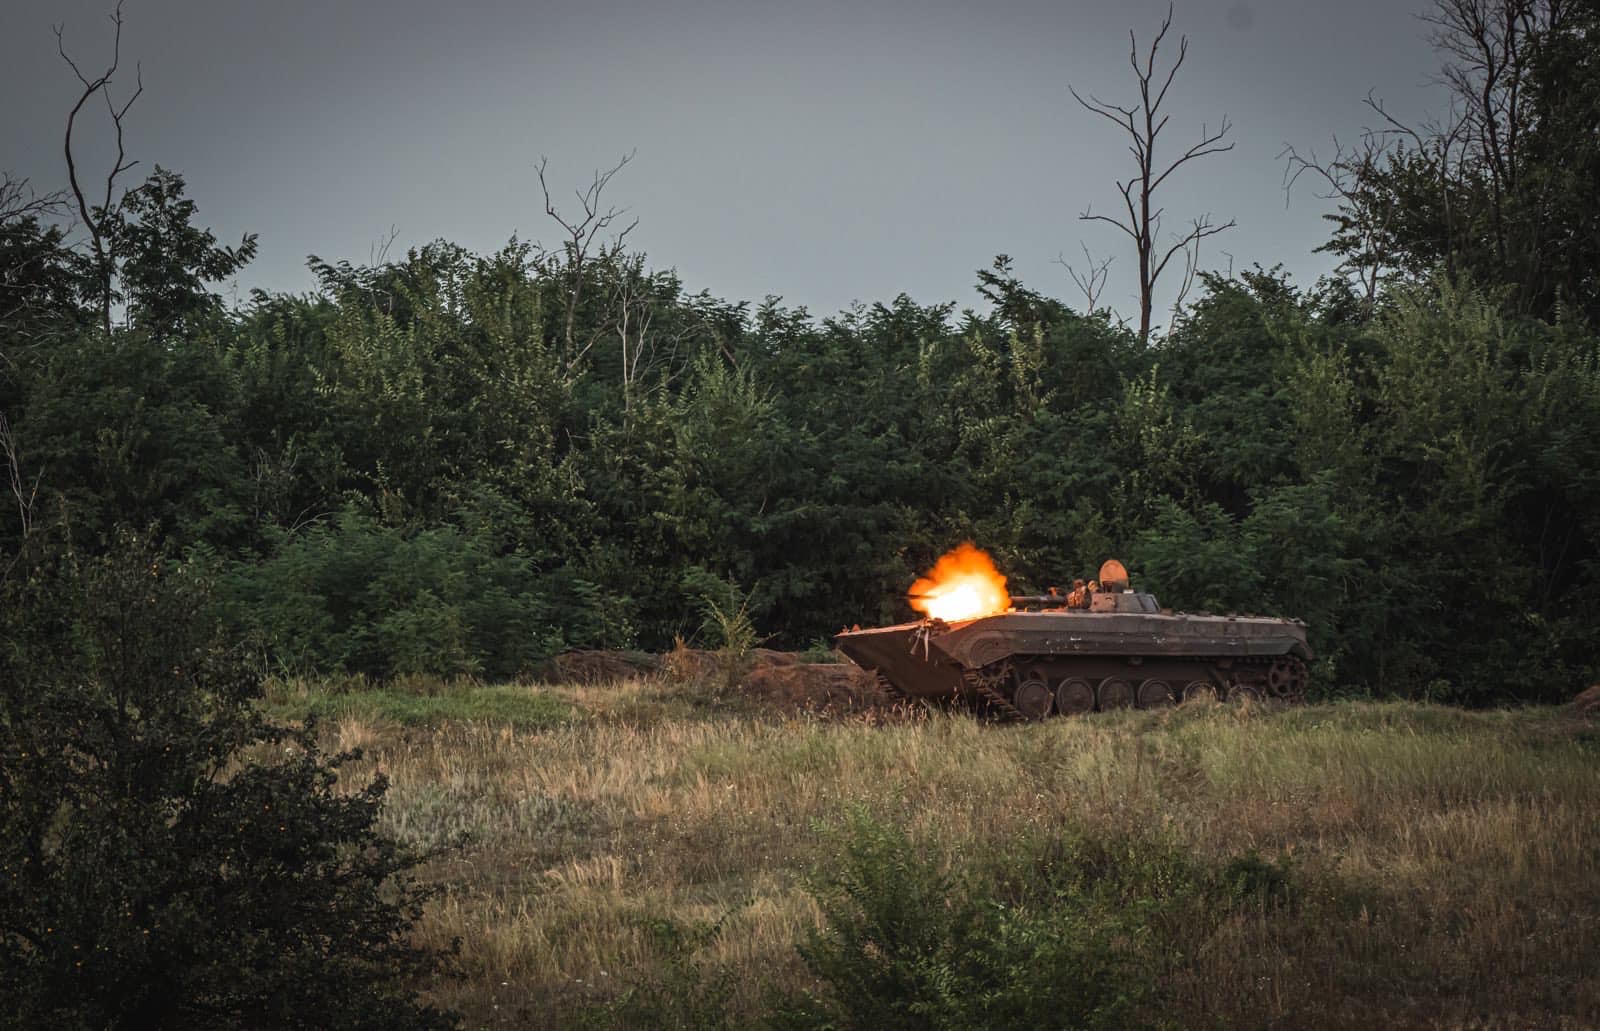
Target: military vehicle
column 1103, row 646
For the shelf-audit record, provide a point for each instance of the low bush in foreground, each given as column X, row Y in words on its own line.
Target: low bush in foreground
column 168, row 857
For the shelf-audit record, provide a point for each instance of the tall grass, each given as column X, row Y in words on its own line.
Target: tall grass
column 644, row 852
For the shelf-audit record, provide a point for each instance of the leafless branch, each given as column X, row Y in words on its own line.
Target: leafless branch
column 19, row 201
column 97, row 220
column 1091, row 282
column 23, row 493
column 1143, row 125
column 1189, row 247
column 583, row 233
column 378, row 253
column 1342, row 176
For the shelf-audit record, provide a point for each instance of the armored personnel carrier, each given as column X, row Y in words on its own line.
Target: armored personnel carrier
column 1103, row 646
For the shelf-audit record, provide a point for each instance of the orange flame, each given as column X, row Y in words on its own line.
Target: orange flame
column 963, row 584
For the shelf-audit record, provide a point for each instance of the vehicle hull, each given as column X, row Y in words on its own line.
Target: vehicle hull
column 977, row 660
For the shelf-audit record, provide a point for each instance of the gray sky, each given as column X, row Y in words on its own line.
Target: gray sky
column 826, row 151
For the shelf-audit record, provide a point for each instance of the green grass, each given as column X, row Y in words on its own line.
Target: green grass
column 639, row 858
column 510, row 705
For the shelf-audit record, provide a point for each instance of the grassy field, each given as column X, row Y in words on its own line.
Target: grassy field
column 642, row 854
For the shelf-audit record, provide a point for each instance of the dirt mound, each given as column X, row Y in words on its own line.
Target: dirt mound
column 1588, row 701
column 598, row 667
column 700, row 664
column 830, row 687
column 766, row 657
column 775, row 679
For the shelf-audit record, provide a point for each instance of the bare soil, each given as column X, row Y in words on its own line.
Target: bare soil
column 776, row 679
column 838, row 688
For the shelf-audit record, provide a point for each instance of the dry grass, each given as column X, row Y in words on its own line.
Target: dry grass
column 1453, row 856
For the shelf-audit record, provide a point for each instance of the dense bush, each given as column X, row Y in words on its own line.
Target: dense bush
column 1068, row 931
column 356, row 596
column 167, row 857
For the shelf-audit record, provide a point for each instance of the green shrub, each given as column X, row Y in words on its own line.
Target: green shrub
column 167, row 857
column 356, row 596
column 726, row 623
column 1072, row 930
column 909, row 944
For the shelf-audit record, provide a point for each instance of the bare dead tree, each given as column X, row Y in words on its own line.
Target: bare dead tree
column 1367, row 216
column 1091, row 282
column 648, row 353
column 97, row 220
column 1490, row 48
column 25, row 494
column 1143, row 125
column 585, row 240
column 633, row 310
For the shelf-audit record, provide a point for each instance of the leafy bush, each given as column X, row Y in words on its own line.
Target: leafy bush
column 726, row 622
column 1069, row 931
column 911, row 945
column 167, row 857
column 360, row 597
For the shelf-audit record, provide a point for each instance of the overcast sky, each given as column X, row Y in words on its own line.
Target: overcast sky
column 821, row 150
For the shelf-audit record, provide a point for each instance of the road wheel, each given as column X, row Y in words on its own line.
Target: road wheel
column 1240, row 691
column 1115, row 693
column 1154, row 693
column 1033, row 698
column 1073, row 696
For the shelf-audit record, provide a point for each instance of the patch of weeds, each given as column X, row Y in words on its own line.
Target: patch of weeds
column 433, row 815
column 727, row 622
column 506, row 705
column 821, row 650
column 1074, row 930
column 1269, row 883
column 678, row 992
column 908, row 944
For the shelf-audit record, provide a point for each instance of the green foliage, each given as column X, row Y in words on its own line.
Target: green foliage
column 726, row 624
column 679, row 993
column 169, row 858
column 166, row 260
column 1068, row 931
column 1502, row 189
column 360, row 597
column 454, row 702
column 424, row 468
column 909, row 945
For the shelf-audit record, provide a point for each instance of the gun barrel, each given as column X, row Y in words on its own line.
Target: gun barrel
column 1018, row 600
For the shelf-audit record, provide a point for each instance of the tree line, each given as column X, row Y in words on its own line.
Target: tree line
column 463, row 463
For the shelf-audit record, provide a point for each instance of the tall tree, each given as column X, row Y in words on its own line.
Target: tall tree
column 1143, row 124
column 1503, row 188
